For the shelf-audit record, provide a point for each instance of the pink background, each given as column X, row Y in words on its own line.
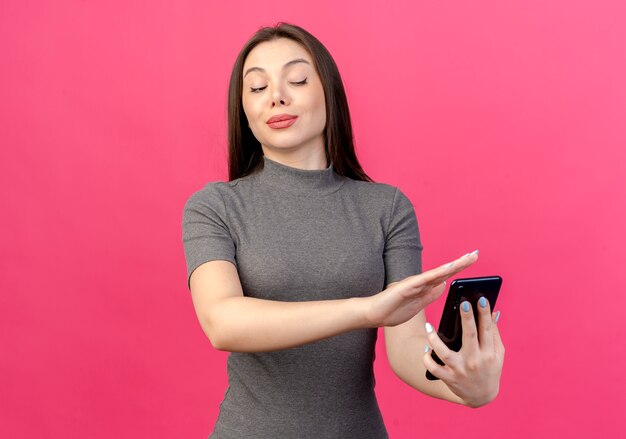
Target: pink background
column 503, row 121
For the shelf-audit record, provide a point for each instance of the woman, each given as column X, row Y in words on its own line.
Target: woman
column 296, row 261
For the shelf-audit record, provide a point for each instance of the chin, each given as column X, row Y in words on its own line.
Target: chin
column 285, row 145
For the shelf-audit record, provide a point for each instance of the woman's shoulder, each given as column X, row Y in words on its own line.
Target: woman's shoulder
column 208, row 196
column 374, row 189
column 210, row 189
column 384, row 196
column 213, row 189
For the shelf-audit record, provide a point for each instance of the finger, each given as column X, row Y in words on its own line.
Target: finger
column 497, row 340
column 444, row 353
column 464, row 261
column 457, row 265
column 470, row 334
column 439, row 274
column 442, row 372
column 485, row 325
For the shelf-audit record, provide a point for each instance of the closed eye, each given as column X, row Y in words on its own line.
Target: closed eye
column 260, row 89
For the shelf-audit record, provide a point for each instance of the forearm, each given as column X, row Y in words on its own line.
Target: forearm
column 245, row 324
column 408, row 365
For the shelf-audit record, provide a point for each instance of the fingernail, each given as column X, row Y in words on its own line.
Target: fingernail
column 482, row 302
column 465, row 306
column 475, row 252
column 429, row 327
column 497, row 317
column 426, row 349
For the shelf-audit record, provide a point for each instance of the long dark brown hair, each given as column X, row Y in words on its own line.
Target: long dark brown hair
column 245, row 154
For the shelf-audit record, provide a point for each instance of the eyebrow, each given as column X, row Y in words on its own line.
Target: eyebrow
column 290, row 63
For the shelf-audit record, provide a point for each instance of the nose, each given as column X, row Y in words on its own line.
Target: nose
column 279, row 96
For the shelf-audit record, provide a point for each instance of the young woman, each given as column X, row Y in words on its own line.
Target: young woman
column 296, row 261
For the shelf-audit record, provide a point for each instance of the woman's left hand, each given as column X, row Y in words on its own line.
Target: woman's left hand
column 473, row 373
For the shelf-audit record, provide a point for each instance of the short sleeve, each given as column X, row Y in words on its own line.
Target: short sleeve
column 206, row 236
column 403, row 248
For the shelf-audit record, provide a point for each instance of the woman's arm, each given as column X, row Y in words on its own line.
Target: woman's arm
column 405, row 348
column 237, row 323
column 244, row 324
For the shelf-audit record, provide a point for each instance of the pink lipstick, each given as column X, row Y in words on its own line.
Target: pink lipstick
column 281, row 121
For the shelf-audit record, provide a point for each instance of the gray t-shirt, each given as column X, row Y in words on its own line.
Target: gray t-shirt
column 301, row 235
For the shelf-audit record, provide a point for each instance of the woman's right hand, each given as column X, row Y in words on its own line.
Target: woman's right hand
column 404, row 299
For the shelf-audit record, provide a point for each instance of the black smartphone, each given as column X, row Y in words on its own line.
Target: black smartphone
column 470, row 289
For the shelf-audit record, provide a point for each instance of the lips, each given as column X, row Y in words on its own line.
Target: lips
column 281, row 121
column 280, row 118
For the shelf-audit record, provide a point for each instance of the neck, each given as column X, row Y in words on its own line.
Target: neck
column 306, row 159
column 305, row 182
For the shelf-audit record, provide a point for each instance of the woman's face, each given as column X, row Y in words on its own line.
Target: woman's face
column 280, row 79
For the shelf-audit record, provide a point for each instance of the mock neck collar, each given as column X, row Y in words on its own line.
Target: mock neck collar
column 300, row 181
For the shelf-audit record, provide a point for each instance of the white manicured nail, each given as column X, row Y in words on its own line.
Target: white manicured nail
column 426, row 349
column 429, row 327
